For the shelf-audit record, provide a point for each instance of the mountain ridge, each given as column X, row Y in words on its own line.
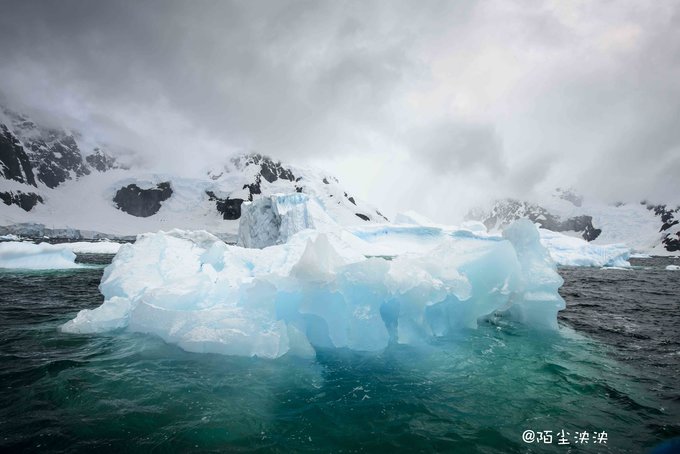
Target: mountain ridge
column 643, row 226
column 48, row 178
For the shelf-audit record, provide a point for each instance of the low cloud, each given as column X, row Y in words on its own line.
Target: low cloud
column 472, row 100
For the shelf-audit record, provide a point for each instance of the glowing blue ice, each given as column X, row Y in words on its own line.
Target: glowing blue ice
column 319, row 290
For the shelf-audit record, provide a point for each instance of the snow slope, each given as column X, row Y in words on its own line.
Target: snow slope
column 59, row 179
column 643, row 227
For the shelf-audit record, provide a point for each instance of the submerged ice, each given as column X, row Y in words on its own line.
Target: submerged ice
column 312, row 285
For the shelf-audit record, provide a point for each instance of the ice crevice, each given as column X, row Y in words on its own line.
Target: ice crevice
column 309, row 283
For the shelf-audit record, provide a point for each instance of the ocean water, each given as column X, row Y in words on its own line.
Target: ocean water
column 613, row 367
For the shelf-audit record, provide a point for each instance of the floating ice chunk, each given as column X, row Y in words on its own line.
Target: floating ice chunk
column 43, row 256
column 92, row 247
column 539, row 301
column 673, row 267
column 318, row 290
column 572, row 251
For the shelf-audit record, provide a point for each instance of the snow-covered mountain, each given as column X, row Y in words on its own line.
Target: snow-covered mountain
column 642, row 226
column 53, row 181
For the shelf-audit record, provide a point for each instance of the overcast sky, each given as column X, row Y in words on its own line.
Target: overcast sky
column 427, row 105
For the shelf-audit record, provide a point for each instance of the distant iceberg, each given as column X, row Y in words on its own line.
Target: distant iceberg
column 416, row 232
column 91, row 247
column 317, row 290
column 572, row 251
column 44, row 256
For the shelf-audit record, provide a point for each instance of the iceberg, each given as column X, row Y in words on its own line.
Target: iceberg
column 43, row 256
column 414, row 232
column 274, row 219
column 572, row 251
column 673, row 267
column 317, row 289
column 91, row 247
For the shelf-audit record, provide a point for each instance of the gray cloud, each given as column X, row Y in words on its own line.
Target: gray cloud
column 475, row 99
column 450, row 147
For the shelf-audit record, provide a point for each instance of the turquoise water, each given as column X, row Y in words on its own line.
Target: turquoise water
column 476, row 392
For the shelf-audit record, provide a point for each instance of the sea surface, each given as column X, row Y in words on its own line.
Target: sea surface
column 611, row 371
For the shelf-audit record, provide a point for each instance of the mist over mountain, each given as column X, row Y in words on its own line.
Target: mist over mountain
column 434, row 106
column 56, row 179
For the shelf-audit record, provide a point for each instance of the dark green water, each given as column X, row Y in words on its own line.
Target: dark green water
column 613, row 367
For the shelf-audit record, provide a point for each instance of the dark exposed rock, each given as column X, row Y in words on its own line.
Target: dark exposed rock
column 142, row 202
column 362, row 216
column 382, row 215
column 253, row 188
column 667, row 215
column 53, row 153
column 229, row 208
column 101, row 161
column 55, row 156
column 583, row 224
column 570, row 196
column 671, row 241
column 351, row 199
column 668, row 225
column 509, row 210
column 298, row 189
column 14, row 163
column 25, row 200
column 325, row 180
column 270, row 170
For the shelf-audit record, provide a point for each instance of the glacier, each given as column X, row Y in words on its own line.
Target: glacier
column 318, row 291
column 43, row 256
